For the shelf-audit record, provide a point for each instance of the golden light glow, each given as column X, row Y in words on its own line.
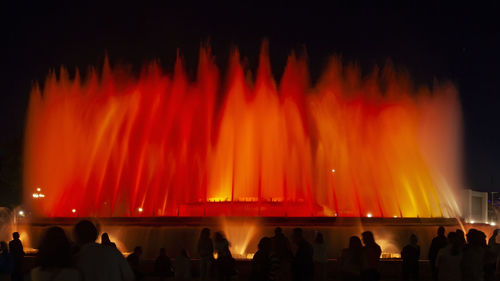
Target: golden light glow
column 239, row 232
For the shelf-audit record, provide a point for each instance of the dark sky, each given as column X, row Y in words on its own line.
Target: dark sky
column 443, row 40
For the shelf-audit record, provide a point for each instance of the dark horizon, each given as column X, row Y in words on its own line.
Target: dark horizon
column 447, row 42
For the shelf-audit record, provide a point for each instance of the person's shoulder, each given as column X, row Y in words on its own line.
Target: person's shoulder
column 36, row 273
column 36, row 270
column 70, row 274
column 113, row 251
column 91, row 245
column 95, row 250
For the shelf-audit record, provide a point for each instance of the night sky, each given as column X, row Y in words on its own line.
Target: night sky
column 447, row 41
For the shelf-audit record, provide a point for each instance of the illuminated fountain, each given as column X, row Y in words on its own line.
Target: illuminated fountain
column 114, row 145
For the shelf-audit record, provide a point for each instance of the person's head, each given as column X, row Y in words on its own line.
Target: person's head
column 105, row 238
column 368, row 237
column 3, row 247
column 219, row 236
column 15, row 235
column 138, row 250
column 54, row 249
column 440, row 231
column 473, row 237
column 413, row 239
column 278, row 231
column 205, row 234
column 85, row 232
column 297, row 234
column 495, row 232
column 163, row 252
column 319, row 238
column 355, row 243
column 265, row 244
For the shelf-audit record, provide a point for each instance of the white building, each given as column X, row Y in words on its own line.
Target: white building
column 475, row 206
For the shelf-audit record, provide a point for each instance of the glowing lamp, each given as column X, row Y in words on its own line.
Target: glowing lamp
column 140, row 210
column 21, row 213
column 369, row 215
column 73, row 211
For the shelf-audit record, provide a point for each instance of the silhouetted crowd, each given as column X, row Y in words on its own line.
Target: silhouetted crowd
column 454, row 257
column 279, row 259
column 464, row 257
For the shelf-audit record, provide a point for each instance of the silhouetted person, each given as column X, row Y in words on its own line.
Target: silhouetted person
column 370, row 258
column 264, row 263
column 461, row 238
column 437, row 244
column 449, row 258
column 320, row 258
column 410, row 255
column 134, row 260
column 163, row 265
column 493, row 254
column 492, row 242
column 17, row 253
column 350, row 260
column 182, row 267
column 6, row 263
column 95, row 261
column 473, row 256
column 490, row 258
column 106, row 241
column 281, row 245
column 302, row 265
column 283, row 251
column 206, row 254
column 225, row 261
column 53, row 260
